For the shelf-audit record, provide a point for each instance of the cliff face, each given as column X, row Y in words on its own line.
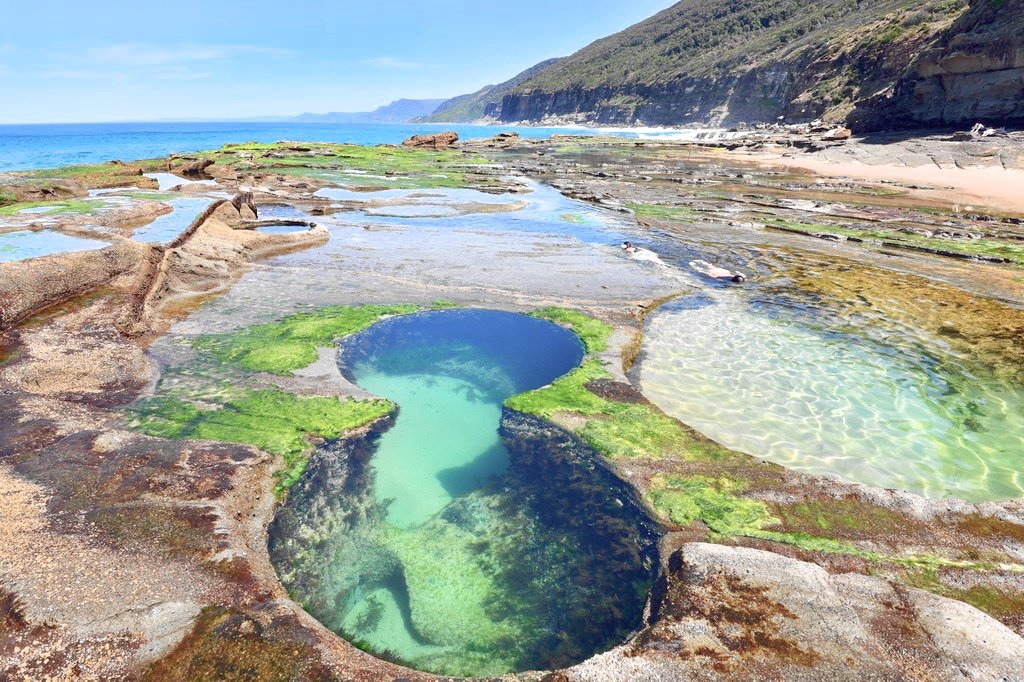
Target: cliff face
column 472, row 107
column 974, row 72
column 729, row 61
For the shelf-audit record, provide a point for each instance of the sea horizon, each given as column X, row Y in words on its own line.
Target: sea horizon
column 35, row 146
column 38, row 146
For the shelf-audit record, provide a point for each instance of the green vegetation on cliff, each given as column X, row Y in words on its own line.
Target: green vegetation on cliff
column 472, row 107
column 737, row 60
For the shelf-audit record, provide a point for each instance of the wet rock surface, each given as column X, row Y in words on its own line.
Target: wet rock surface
column 735, row 613
column 130, row 556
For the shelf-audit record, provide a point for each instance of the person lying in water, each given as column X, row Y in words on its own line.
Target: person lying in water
column 714, row 272
column 628, row 247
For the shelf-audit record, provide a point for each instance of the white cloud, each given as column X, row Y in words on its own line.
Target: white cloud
column 134, row 54
column 135, row 61
column 393, row 63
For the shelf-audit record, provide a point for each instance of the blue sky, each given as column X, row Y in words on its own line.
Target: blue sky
column 74, row 61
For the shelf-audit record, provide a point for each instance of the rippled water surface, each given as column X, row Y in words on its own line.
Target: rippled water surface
column 872, row 404
column 457, row 554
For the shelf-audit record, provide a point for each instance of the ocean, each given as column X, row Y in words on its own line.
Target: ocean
column 30, row 147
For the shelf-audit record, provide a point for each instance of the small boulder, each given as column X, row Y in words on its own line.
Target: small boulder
column 837, row 135
column 195, row 169
column 437, row 141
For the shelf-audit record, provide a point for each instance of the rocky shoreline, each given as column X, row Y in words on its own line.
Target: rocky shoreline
column 129, row 555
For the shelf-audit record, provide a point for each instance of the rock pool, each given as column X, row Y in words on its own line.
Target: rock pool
column 453, row 547
column 166, row 228
column 25, row 244
column 862, row 399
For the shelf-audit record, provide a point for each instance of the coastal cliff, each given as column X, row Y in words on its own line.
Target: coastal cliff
column 974, row 72
column 873, row 64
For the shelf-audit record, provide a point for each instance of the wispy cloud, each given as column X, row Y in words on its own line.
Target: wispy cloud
column 394, row 63
column 163, row 74
column 134, row 54
column 135, row 61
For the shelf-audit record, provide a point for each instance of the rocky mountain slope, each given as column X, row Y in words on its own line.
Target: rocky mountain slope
column 974, row 71
column 472, row 107
column 898, row 62
column 398, row 111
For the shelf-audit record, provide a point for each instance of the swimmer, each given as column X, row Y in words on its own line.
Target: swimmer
column 715, row 272
column 628, row 247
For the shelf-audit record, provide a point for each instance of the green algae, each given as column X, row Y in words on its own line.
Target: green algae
column 371, row 166
column 984, row 247
column 291, row 344
column 665, row 213
column 639, row 431
column 718, row 504
column 999, row 604
column 226, row 644
column 593, row 332
column 713, row 502
column 276, row 422
column 152, row 196
column 566, row 394
column 615, row 429
column 99, row 175
column 841, row 517
column 76, row 206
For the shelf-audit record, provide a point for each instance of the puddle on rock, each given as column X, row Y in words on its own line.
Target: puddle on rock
column 448, row 547
column 167, row 181
column 166, row 228
column 25, row 244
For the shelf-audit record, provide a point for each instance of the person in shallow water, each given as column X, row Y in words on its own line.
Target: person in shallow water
column 715, row 272
column 628, row 247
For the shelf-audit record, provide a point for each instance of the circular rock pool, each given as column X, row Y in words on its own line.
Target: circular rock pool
column 465, row 539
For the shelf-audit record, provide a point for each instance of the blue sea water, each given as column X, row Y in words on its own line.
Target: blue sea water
column 30, row 147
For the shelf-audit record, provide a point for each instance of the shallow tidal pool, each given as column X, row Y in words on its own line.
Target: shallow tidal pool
column 25, row 244
column 453, row 547
column 864, row 404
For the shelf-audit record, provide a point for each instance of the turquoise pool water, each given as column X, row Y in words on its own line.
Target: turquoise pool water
column 25, row 244
column 455, row 550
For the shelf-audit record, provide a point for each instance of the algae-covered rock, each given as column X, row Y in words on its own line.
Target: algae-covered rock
column 739, row 613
